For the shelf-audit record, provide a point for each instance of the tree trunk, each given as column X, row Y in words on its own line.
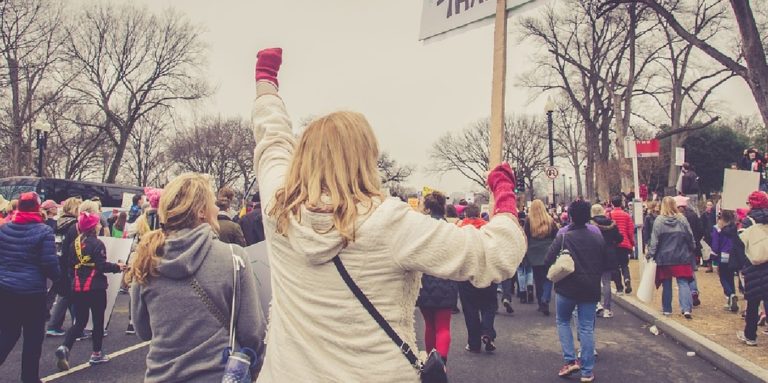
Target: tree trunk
column 114, row 167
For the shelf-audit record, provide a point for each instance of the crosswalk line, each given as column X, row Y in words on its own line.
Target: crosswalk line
column 86, row 365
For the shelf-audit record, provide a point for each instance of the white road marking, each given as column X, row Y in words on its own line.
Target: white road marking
column 86, row 365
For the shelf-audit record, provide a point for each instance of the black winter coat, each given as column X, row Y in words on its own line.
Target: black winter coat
column 437, row 293
column 253, row 227
column 756, row 282
column 92, row 247
column 537, row 247
column 612, row 239
column 589, row 256
column 66, row 228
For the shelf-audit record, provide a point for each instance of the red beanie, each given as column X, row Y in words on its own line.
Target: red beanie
column 29, row 202
column 758, row 200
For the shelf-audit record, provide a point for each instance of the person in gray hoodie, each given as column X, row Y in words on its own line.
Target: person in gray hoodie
column 182, row 289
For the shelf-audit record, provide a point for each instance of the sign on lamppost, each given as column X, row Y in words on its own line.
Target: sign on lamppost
column 440, row 16
column 551, row 172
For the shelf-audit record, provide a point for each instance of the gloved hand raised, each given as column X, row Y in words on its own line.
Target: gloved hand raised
column 501, row 181
column 268, row 63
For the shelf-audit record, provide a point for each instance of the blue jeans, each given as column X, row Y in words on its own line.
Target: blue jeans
column 546, row 295
column 524, row 278
column 586, row 331
column 726, row 279
column 684, row 295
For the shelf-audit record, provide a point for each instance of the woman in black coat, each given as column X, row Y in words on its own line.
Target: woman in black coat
column 612, row 238
column 437, row 297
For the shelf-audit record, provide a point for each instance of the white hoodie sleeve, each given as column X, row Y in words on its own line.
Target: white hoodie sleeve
column 438, row 248
column 275, row 141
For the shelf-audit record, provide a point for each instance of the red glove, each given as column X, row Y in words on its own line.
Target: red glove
column 268, row 64
column 501, row 181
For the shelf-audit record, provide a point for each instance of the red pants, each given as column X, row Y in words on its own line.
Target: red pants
column 437, row 330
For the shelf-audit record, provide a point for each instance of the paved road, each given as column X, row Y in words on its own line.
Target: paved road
column 528, row 351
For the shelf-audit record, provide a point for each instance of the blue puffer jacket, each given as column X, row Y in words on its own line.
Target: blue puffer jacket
column 27, row 257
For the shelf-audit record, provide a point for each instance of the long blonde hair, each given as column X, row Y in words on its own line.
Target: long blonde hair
column 539, row 221
column 669, row 208
column 333, row 169
column 181, row 205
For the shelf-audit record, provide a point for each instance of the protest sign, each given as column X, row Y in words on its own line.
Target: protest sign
column 440, row 16
column 118, row 249
column 737, row 185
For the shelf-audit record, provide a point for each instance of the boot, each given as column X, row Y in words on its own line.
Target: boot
column 523, row 297
column 529, row 295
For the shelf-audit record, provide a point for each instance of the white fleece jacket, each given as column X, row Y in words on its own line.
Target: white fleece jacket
column 318, row 331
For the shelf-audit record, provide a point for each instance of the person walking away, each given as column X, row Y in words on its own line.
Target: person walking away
column 50, row 212
column 437, row 296
column 683, row 206
column 578, row 291
column 181, row 267
column 648, row 220
column 118, row 229
column 723, row 239
column 690, row 181
column 229, row 231
column 755, row 275
column 252, row 224
column 27, row 259
column 708, row 222
column 479, row 305
column 89, row 288
column 672, row 247
column 66, row 230
column 345, row 222
column 540, row 230
column 627, row 230
column 612, row 239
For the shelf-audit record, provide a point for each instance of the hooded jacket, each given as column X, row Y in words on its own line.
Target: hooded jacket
column 229, row 231
column 671, row 241
column 27, row 258
column 320, row 330
column 66, row 228
column 588, row 251
column 187, row 339
column 612, row 239
column 756, row 277
column 723, row 240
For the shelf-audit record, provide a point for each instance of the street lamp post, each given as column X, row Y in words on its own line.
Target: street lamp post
column 565, row 200
column 43, row 129
column 570, row 188
column 549, row 107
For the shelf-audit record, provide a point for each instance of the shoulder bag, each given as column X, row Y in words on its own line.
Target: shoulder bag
column 755, row 239
column 431, row 371
column 563, row 266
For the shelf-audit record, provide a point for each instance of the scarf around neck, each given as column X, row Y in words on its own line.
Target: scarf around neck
column 26, row 217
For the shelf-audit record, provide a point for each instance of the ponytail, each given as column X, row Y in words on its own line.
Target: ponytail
column 148, row 255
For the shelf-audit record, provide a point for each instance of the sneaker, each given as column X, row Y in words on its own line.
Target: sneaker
column 130, row 330
column 627, row 287
column 734, row 303
column 687, row 315
column 587, row 379
column 569, row 369
column 488, row 342
column 607, row 314
column 507, row 305
column 740, row 335
column 599, row 310
column 55, row 332
column 696, row 300
column 98, row 358
column 62, row 358
column 761, row 321
column 472, row 350
column 85, row 335
column 666, row 313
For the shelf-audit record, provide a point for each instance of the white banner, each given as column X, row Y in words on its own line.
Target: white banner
column 737, row 185
column 118, row 249
column 439, row 16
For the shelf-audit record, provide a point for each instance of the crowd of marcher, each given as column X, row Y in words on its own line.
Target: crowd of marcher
column 349, row 266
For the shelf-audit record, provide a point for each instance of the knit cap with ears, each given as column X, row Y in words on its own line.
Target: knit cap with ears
column 758, row 200
column 87, row 221
column 29, row 202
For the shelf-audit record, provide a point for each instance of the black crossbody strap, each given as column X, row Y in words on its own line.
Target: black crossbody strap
column 404, row 347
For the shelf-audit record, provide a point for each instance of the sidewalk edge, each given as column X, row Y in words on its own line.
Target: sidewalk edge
column 721, row 357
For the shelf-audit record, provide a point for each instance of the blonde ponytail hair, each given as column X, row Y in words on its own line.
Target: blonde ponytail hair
column 336, row 158
column 180, row 205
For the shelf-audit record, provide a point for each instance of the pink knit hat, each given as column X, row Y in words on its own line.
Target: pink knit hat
column 681, row 201
column 87, row 221
column 153, row 196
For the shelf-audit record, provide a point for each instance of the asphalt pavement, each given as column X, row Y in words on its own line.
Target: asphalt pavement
column 528, row 351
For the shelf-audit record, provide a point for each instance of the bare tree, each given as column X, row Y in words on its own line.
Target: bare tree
column 525, row 148
column 753, row 43
column 132, row 62
column 568, row 136
column 30, row 42
column 222, row 148
column 146, row 159
column 392, row 173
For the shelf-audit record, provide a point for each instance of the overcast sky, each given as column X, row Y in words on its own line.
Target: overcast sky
column 365, row 56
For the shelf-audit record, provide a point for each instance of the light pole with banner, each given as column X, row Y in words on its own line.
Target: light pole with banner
column 43, row 129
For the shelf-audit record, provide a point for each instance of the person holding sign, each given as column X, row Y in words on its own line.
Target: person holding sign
column 89, row 286
column 329, row 229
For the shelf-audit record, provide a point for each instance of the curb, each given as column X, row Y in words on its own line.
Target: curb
column 726, row 360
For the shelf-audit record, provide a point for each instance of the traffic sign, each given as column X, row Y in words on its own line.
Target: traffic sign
column 551, row 172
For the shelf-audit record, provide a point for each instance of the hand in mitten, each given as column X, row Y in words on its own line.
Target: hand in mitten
column 501, row 181
column 268, row 64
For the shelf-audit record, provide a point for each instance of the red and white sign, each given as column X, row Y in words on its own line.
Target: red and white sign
column 648, row 148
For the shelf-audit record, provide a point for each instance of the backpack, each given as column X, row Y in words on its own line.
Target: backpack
column 755, row 239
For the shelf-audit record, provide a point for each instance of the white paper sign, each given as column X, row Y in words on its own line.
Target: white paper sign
column 439, row 16
column 737, row 185
column 118, row 249
column 127, row 201
column 679, row 156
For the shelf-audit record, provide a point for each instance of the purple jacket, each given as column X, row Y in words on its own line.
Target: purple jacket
column 722, row 240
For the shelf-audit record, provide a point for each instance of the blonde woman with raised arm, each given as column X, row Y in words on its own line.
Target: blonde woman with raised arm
column 322, row 199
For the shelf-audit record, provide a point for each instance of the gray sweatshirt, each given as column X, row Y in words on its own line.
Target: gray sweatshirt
column 187, row 339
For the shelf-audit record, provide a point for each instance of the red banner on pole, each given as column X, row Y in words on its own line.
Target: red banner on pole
column 648, row 148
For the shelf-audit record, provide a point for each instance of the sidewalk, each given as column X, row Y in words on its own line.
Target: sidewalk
column 717, row 326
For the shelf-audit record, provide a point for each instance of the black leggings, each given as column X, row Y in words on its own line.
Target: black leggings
column 27, row 312
column 95, row 303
